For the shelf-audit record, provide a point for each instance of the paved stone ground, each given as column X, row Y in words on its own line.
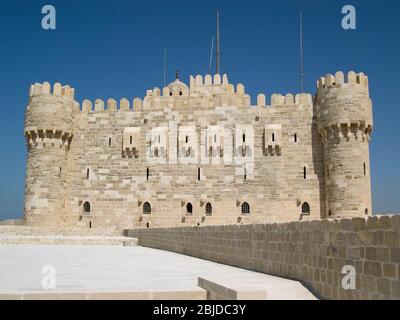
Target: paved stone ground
column 126, row 269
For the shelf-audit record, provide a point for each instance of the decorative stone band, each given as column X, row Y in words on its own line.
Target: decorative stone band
column 345, row 131
column 47, row 138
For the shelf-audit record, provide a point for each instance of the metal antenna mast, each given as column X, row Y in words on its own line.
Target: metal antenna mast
column 218, row 49
column 165, row 65
column 211, row 55
column 301, row 53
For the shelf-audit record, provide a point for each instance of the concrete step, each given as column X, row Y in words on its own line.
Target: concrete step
column 67, row 240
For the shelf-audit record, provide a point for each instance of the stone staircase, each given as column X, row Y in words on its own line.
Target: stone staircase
column 27, row 235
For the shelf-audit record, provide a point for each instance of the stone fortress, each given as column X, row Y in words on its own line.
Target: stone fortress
column 198, row 155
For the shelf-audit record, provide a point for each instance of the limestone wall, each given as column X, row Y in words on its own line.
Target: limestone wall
column 313, row 252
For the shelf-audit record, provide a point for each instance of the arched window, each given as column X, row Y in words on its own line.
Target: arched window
column 245, row 208
column 208, row 209
column 146, row 208
column 305, row 208
column 366, row 212
column 189, row 208
column 86, row 207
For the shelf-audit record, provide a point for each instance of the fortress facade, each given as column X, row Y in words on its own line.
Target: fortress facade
column 198, row 155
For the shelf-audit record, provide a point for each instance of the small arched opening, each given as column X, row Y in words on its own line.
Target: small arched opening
column 189, row 208
column 208, row 209
column 86, row 207
column 305, row 208
column 146, row 208
column 245, row 208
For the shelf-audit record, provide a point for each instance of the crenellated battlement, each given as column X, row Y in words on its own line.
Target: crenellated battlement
column 339, row 80
column 111, row 105
column 43, row 89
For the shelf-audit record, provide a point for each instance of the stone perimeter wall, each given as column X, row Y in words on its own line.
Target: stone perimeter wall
column 313, row 252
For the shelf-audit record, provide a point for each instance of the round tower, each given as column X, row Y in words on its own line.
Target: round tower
column 344, row 120
column 48, row 133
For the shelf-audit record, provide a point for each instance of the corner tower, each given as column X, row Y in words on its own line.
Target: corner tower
column 48, row 133
column 344, row 120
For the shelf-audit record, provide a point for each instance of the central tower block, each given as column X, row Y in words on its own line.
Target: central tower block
column 344, row 120
column 48, row 132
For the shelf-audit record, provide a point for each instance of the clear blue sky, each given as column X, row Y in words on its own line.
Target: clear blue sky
column 115, row 49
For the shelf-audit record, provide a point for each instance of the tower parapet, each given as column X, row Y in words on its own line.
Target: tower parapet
column 344, row 120
column 48, row 132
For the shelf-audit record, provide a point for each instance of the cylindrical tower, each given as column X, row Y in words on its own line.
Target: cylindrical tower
column 344, row 120
column 48, row 133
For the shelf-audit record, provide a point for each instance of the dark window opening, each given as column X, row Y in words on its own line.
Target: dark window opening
column 170, row 93
column 60, row 173
column 245, row 174
column 245, row 208
column 147, row 225
column 187, row 139
column 147, row 174
column 366, row 212
column 198, row 174
column 86, row 207
column 189, row 208
column 87, row 173
column 305, row 172
column 180, row 93
column 295, row 137
column 208, row 209
column 365, row 169
column 244, row 137
column 273, row 137
column 130, row 139
column 305, row 208
column 146, row 208
column 90, row 224
column 109, row 141
column 330, row 213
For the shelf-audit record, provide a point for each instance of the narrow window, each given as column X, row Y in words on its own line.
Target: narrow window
column 366, row 212
column 60, row 173
column 198, row 174
column 305, row 172
column 189, row 208
column 147, row 174
column 273, row 137
column 170, row 93
column 109, row 141
column 295, row 137
column 130, row 139
column 330, row 213
column 208, row 209
column 90, row 224
column 180, row 93
column 245, row 208
column 305, row 208
column 147, row 225
column 244, row 137
column 146, row 208
column 86, row 207
column 245, row 174
column 87, row 174
column 365, row 169
column 187, row 139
